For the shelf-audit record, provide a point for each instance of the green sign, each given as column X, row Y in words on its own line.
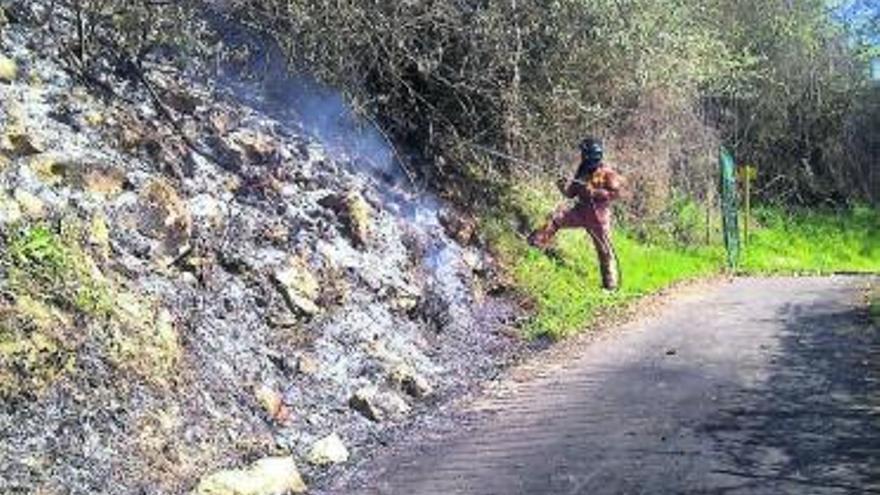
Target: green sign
column 729, row 207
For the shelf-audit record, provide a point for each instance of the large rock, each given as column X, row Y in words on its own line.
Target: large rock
column 165, row 217
column 8, row 69
column 269, row 476
column 377, row 405
column 10, row 210
column 298, row 286
column 32, row 206
column 354, row 212
column 328, row 450
column 97, row 179
column 405, row 378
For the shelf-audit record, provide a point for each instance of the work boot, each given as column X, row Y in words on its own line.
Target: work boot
column 610, row 277
column 538, row 240
column 607, row 262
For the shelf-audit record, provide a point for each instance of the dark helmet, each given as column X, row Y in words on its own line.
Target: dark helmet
column 591, row 150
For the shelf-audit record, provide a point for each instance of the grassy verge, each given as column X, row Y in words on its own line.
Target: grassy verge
column 814, row 242
column 565, row 287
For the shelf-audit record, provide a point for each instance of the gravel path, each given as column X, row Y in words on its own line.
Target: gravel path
column 758, row 386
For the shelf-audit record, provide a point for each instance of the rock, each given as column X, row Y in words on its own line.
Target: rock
column 10, row 210
column 170, row 150
column 474, row 260
column 46, row 168
column 164, row 217
column 99, row 235
column 307, row 365
column 405, row 378
column 32, row 206
column 359, row 217
column 376, row 405
column 94, row 118
column 405, row 299
column 276, row 233
column 207, row 210
column 328, row 450
column 100, row 180
column 269, row 476
column 298, row 286
column 130, row 133
column 282, row 320
column 257, row 147
column 20, row 143
column 363, row 401
column 232, row 183
column 220, row 122
column 459, row 226
column 379, row 351
column 228, row 155
column 273, row 403
column 180, row 99
column 8, row 69
column 355, row 213
column 97, row 179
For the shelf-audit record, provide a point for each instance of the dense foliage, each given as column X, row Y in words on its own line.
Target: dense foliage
column 783, row 83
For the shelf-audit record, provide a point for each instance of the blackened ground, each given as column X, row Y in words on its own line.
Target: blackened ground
column 757, row 386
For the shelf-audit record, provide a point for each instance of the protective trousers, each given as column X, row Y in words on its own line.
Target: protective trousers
column 597, row 223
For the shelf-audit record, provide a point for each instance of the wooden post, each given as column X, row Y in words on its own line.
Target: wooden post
column 748, row 209
column 708, row 218
column 748, row 173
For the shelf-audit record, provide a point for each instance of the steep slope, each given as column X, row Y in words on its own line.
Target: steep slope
column 193, row 281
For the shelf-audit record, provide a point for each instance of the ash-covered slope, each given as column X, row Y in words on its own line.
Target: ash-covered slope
column 193, row 283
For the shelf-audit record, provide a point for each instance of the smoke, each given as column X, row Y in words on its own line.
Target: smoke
column 260, row 76
column 262, row 79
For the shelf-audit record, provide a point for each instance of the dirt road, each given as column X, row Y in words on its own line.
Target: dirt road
column 755, row 386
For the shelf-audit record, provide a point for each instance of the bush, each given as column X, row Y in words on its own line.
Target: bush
column 522, row 77
column 660, row 79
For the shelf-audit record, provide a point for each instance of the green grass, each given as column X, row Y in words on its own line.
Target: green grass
column 59, row 303
column 813, row 242
column 51, row 266
column 565, row 287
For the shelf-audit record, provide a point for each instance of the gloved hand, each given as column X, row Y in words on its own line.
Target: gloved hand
column 562, row 185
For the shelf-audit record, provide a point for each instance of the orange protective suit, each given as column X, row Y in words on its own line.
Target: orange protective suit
column 592, row 212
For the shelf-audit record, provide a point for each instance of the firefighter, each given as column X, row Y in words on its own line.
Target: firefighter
column 594, row 187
